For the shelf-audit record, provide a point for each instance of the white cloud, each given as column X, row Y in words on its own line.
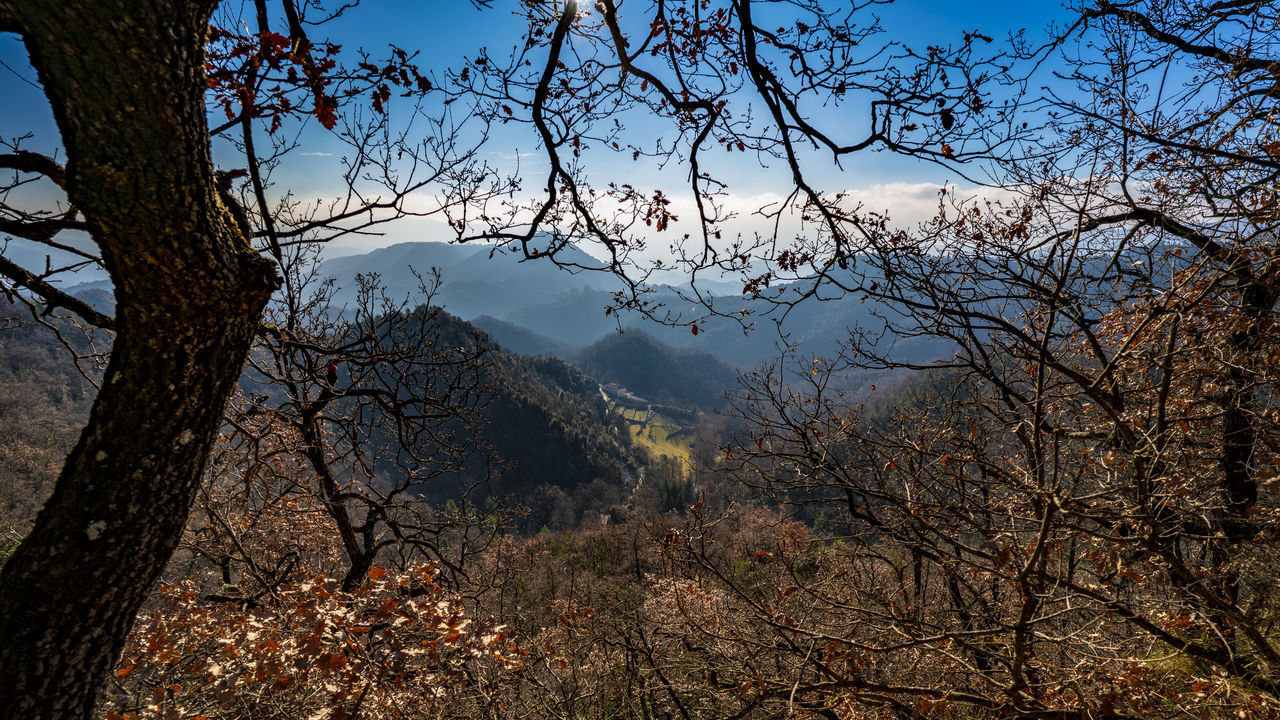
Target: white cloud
column 905, row 204
column 513, row 156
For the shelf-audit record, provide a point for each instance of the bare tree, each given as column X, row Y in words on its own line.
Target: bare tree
column 381, row 404
column 1076, row 520
column 128, row 86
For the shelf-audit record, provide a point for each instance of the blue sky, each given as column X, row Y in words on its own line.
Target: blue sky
column 446, row 32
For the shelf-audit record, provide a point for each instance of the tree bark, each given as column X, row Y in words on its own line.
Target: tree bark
column 126, row 83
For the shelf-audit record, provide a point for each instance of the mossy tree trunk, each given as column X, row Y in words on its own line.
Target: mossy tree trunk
column 126, row 82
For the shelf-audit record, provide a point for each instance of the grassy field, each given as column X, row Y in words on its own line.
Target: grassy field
column 634, row 414
column 655, row 434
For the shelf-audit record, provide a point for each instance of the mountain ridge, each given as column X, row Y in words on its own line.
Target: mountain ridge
column 557, row 308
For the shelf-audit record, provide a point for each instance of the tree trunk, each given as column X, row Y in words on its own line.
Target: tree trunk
column 126, row 82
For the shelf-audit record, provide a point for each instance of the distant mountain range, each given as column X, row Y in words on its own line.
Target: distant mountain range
column 534, row 307
column 522, row 340
column 537, row 308
column 475, row 282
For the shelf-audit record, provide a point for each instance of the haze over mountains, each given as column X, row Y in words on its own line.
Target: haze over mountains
column 534, row 307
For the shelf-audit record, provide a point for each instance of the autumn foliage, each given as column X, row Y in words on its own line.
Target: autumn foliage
column 398, row 645
column 1068, row 514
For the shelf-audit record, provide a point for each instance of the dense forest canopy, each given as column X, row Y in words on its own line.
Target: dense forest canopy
column 1030, row 476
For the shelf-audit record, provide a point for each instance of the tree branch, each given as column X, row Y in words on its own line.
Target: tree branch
column 1243, row 62
column 53, row 296
column 29, row 162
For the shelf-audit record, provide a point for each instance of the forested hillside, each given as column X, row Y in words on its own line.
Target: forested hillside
column 690, row 379
column 568, row 454
column 557, row 451
column 44, row 401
